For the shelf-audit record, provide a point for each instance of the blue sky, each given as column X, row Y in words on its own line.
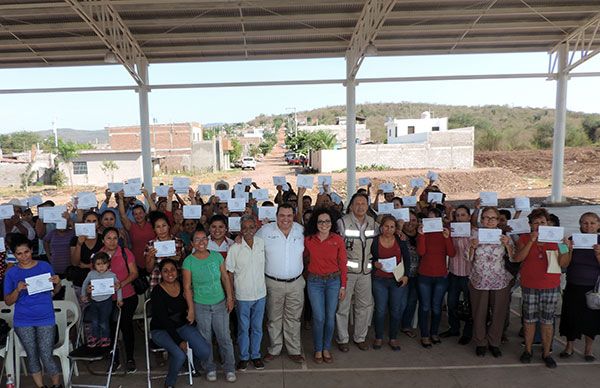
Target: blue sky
column 95, row 110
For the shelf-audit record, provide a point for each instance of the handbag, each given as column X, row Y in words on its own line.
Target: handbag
column 592, row 297
column 141, row 283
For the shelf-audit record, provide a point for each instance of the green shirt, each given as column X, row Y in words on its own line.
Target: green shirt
column 206, row 278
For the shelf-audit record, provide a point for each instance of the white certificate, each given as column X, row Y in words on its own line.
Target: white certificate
column 387, row 187
column 431, row 225
column 460, row 229
column 335, row 197
column 135, row 181
column 244, row 195
column 247, row 182
column 85, row 229
column 385, row 208
column 267, row 212
column 519, row 226
column 286, row 186
column 305, row 181
column 401, row 214
column 115, row 187
column 236, row 204
column 39, row 283
column 435, row 197
column 584, row 240
column 410, row 201
column 192, row 212
column 103, row 287
column 162, row 191
column 323, row 180
column 86, row 200
column 432, row 175
column 364, row 181
column 54, row 214
column 223, row 195
column 553, row 234
column 234, row 224
column 388, row 265
column 205, row 189
column 35, row 200
column 489, row 236
column 6, row 212
column 181, row 185
column 522, row 203
column 417, row 182
column 61, row 224
column 165, row 248
column 261, row 195
column 239, row 188
column 278, row 180
column 488, row 198
column 132, row 189
column 2, row 246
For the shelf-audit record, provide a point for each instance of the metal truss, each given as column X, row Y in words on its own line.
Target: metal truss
column 101, row 16
column 371, row 20
column 582, row 44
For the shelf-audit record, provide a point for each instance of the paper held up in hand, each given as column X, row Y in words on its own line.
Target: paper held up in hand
column 385, row 208
column 522, row 204
column 323, row 180
column 387, row 265
column 165, row 248
column 39, row 283
column 436, row 197
column 85, row 229
column 417, row 182
column 488, row 198
column 431, row 225
column 401, row 214
column 305, row 181
column 489, row 236
column 460, row 229
column 115, row 187
column 260, row 195
column 181, row 185
column 364, row 181
column 519, row 226
column 584, row 240
column 410, row 201
column 551, row 234
column 205, row 190
column 102, row 287
column 234, row 224
column 386, row 187
column 223, row 195
column 267, row 212
column 162, row 191
column 192, row 212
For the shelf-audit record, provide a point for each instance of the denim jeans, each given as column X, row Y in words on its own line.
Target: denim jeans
column 456, row 286
column 200, row 348
column 411, row 303
column 431, row 295
column 249, row 331
column 324, row 296
column 388, row 297
column 102, row 312
column 215, row 318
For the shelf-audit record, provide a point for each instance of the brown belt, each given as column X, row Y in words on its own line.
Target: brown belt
column 328, row 276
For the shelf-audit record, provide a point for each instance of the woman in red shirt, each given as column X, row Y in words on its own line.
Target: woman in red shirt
column 386, row 290
column 140, row 231
column 325, row 252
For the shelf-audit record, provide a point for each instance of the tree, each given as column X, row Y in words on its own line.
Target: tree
column 543, row 135
column 19, row 141
column 311, row 141
column 591, row 126
column 254, row 150
column 236, row 150
column 68, row 151
column 109, row 167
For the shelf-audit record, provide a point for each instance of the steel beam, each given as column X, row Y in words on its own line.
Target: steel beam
column 142, row 70
column 102, row 18
column 560, row 119
column 370, row 21
column 581, row 45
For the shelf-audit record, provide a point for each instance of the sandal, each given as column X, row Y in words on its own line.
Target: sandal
column 377, row 344
column 318, row 358
column 409, row 333
column 426, row 343
column 327, row 357
column 565, row 354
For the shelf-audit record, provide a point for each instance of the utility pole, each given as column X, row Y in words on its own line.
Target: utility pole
column 55, row 131
column 295, row 120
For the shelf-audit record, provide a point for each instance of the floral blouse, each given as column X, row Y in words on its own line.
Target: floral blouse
column 488, row 272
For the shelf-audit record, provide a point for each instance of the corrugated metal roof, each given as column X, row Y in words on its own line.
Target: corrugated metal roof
column 51, row 33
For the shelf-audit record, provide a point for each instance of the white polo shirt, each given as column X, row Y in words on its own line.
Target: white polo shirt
column 248, row 267
column 283, row 254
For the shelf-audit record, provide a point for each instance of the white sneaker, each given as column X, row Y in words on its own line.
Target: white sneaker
column 230, row 377
column 211, row 376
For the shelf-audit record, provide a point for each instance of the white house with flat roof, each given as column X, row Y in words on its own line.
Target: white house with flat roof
column 414, row 130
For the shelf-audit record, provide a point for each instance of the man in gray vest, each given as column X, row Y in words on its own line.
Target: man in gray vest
column 358, row 230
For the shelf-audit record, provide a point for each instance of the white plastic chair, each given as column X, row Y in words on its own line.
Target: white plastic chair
column 7, row 352
column 62, row 309
column 148, row 337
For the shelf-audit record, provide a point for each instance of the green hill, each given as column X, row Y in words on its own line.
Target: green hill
column 497, row 127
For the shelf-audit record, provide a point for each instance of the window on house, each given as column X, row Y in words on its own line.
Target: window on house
column 80, row 168
column 435, row 129
column 411, row 129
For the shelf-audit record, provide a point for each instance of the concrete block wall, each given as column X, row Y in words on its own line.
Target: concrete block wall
column 10, row 174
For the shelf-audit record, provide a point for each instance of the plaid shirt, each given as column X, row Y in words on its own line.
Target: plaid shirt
column 155, row 276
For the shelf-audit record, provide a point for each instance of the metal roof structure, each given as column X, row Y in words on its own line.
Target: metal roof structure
column 135, row 33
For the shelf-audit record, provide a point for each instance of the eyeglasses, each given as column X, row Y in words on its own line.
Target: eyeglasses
column 324, row 222
column 201, row 239
column 489, row 218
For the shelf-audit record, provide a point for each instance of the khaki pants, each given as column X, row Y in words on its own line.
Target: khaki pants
column 284, row 309
column 358, row 285
column 498, row 301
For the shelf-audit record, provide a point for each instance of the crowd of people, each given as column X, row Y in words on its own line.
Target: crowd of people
column 225, row 271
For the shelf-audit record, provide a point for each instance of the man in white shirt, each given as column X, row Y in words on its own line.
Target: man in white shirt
column 246, row 267
column 284, row 246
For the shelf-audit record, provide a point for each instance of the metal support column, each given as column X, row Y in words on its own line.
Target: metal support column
column 350, row 133
column 558, row 144
column 145, row 125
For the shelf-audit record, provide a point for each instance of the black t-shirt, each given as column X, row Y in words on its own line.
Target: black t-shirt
column 86, row 252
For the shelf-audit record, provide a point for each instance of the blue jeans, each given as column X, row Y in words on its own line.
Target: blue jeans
column 215, row 318
column 102, row 313
column 458, row 285
column 324, row 296
column 250, row 318
column 431, row 296
column 411, row 303
column 200, row 348
column 387, row 293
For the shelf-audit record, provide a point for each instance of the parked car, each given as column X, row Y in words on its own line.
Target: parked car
column 289, row 155
column 237, row 163
column 297, row 160
column 248, row 162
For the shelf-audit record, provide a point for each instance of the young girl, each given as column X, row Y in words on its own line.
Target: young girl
column 101, row 305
